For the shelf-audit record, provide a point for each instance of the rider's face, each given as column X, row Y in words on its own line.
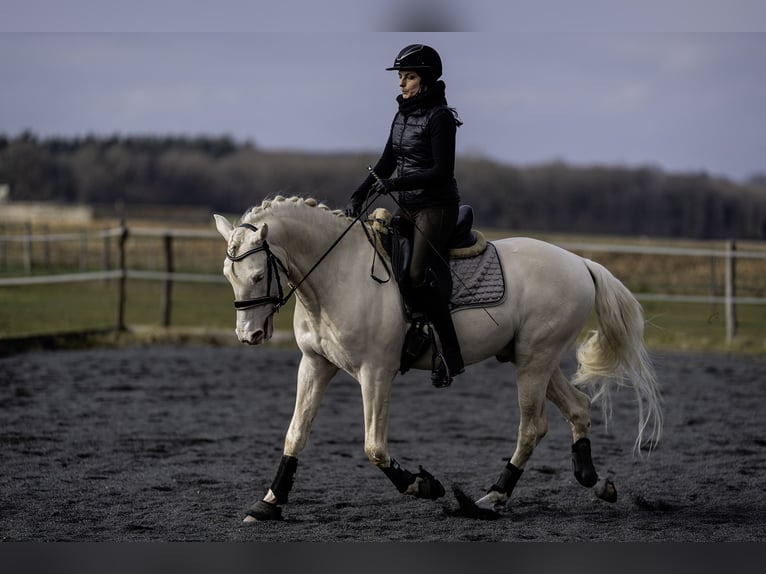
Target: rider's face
column 410, row 83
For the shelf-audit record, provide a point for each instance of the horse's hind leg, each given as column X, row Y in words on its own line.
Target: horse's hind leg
column 532, row 381
column 575, row 406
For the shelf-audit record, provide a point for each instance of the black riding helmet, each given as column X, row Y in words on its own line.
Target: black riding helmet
column 424, row 59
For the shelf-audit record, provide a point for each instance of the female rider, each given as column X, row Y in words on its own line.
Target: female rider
column 418, row 162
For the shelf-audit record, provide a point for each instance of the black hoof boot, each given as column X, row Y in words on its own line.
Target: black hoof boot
column 582, row 463
column 428, row 486
column 263, row 510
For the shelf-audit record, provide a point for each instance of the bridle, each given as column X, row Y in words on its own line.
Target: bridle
column 273, row 265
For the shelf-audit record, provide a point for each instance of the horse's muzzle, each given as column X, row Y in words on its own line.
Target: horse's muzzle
column 250, row 336
column 254, row 338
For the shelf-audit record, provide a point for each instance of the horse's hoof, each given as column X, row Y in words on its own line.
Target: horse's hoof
column 263, row 510
column 605, row 490
column 469, row 508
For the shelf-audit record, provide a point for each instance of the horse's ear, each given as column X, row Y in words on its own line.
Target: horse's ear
column 264, row 231
column 223, row 226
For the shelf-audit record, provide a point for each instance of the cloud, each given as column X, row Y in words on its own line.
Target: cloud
column 583, row 97
column 426, row 16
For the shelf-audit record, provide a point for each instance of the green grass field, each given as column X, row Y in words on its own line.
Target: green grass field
column 43, row 310
column 49, row 309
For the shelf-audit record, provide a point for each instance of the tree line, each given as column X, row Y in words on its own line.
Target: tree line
column 227, row 176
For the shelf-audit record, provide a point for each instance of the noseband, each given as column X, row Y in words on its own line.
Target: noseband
column 273, row 265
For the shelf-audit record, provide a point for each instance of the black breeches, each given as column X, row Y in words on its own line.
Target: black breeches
column 433, row 227
column 430, row 278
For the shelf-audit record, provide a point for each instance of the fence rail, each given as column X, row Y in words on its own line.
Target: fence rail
column 663, row 250
column 168, row 274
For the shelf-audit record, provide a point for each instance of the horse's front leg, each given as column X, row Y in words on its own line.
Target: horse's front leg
column 314, row 373
column 376, row 393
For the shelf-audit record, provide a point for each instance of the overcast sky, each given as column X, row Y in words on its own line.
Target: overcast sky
column 685, row 92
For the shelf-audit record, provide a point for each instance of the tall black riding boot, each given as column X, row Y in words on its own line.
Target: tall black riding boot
column 451, row 362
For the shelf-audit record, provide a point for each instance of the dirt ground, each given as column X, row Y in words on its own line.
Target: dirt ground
column 169, row 443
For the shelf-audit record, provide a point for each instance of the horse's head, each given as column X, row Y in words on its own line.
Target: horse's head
column 253, row 271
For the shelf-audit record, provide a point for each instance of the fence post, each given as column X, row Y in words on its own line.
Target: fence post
column 122, row 284
column 47, row 248
column 106, row 257
column 28, row 248
column 83, row 251
column 713, row 285
column 3, row 250
column 167, row 298
column 731, row 291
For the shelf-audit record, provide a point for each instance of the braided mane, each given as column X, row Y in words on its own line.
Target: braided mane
column 281, row 203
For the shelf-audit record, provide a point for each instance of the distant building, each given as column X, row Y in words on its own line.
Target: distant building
column 42, row 212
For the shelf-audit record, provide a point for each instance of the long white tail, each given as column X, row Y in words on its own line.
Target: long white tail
column 615, row 352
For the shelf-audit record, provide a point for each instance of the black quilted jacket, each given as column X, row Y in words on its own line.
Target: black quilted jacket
column 419, row 157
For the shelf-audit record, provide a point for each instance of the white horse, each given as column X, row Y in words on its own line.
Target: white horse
column 345, row 320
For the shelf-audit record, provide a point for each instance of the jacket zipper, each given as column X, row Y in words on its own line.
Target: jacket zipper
column 400, row 164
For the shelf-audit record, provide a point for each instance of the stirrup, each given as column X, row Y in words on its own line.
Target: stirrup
column 441, row 376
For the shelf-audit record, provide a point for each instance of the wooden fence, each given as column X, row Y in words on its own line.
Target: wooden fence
column 116, row 240
column 120, row 271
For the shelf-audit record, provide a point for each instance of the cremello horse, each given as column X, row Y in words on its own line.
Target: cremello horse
column 345, row 320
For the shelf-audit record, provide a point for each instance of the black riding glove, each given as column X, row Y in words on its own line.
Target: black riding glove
column 353, row 209
column 382, row 186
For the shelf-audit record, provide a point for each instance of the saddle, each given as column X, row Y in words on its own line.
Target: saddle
column 478, row 279
column 395, row 234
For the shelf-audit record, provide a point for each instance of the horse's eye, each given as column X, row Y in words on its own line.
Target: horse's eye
column 258, row 277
